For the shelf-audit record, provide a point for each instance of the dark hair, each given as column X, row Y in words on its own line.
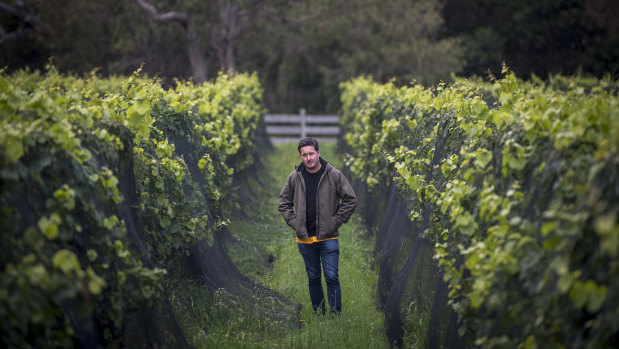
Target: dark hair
column 307, row 141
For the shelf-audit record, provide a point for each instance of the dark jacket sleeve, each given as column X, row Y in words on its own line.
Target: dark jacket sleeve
column 349, row 200
column 285, row 204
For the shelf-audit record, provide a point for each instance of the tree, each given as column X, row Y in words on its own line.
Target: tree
column 396, row 39
column 231, row 21
column 196, row 57
column 26, row 21
column 602, row 54
column 79, row 35
column 224, row 21
column 535, row 36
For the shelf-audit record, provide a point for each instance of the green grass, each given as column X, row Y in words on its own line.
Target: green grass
column 360, row 325
column 266, row 236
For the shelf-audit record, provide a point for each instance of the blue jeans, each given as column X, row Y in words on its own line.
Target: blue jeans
column 329, row 253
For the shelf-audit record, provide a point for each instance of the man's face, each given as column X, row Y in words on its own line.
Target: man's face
column 310, row 156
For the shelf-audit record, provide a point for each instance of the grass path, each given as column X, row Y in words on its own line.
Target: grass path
column 361, row 324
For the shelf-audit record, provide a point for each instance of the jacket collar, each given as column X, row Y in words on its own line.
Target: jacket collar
column 301, row 168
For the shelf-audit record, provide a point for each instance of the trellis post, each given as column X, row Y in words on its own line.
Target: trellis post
column 303, row 123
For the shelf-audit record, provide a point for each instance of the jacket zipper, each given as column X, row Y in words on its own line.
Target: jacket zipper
column 302, row 180
column 318, row 204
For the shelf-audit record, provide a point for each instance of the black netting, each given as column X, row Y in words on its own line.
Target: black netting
column 410, row 284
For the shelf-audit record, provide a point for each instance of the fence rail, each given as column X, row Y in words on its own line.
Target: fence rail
column 284, row 128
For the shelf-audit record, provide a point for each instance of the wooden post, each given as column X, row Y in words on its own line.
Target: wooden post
column 303, row 125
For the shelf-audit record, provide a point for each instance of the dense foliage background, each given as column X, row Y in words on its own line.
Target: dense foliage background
column 303, row 49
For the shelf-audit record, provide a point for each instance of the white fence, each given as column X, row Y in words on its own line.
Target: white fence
column 285, row 128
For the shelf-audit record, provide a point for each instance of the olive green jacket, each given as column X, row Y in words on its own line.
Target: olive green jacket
column 335, row 202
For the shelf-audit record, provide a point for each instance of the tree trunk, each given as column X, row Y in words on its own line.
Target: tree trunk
column 196, row 57
column 229, row 62
column 225, row 33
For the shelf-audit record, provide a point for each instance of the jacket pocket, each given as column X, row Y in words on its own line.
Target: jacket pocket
column 293, row 222
column 335, row 225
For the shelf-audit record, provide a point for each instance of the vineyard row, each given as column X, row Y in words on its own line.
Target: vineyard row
column 514, row 186
column 105, row 185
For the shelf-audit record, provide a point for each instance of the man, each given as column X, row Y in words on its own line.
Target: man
column 315, row 201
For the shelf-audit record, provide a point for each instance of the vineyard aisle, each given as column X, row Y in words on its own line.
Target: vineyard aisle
column 361, row 324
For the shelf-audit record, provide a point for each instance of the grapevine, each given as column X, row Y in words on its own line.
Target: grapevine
column 98, row 198
column 519, row 179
